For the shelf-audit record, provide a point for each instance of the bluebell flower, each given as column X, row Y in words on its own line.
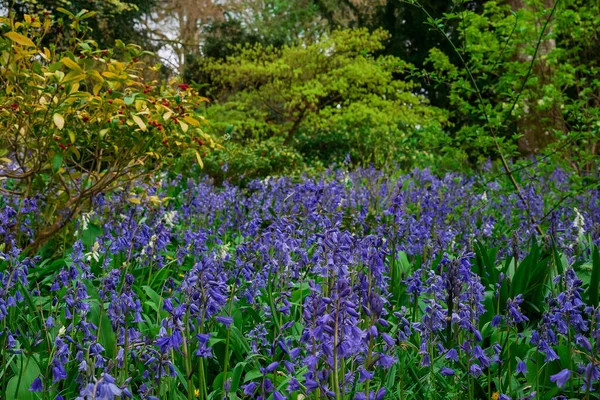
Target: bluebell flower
column 590, row 376
column 103, row 389
column 270, row 368
column 250, row 388
column 452, row 354
column 561, row 378
column 37, row 385
column 521, row 367
column 225, row 320
column 475, row 370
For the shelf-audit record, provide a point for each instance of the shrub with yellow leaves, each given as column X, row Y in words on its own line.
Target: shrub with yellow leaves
column 81, row 121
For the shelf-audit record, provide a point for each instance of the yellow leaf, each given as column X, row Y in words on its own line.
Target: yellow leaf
column 167, row 115
column 20, row 39
column 199, row 159
column 191, row 121
column 155, row 200
column 139, row 122
column 95, row 75
column 88, row 14
column 72, row 136
column 74, row 76
column 64, row 11
column 6, row 160
column 59, row 121
column 110, row 75
column 134, row 200
column 76, row 152
column 96, row 89
column 183, row 125
column 140, row 104
column 71, row 64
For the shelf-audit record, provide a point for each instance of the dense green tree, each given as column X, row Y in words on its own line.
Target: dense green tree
column 334, row 94
column 529, row 80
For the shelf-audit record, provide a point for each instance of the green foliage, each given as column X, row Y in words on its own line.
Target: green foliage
column 333, row 93
column 535, row 81
column 241, row 162
column 78, row 122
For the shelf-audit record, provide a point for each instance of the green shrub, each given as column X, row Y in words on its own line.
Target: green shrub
column 320, row 101
column 81, row 121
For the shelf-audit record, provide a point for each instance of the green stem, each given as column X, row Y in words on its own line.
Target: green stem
column 186, row 354
column 336, row 379
column 226, row 362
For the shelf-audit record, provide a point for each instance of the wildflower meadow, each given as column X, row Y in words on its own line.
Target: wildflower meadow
column 353, row 285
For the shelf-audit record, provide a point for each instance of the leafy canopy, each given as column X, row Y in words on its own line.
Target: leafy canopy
column 302, row 94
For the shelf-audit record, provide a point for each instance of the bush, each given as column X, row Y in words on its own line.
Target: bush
column 531, row 75
column 83, row 121
column 321, row 100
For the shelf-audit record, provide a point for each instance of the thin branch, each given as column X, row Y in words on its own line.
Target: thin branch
column 482, row 102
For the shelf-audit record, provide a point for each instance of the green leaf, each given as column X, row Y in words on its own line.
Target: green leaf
column 106, row 337
column 239, row 342
column 592, row 292
column 57, row 162
column 236, row 377
column 156, row 300
column 64, row 11
column 18, row 389
column 87, row 15
column 219, row 379
column 88, row 237
column 252, row 375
